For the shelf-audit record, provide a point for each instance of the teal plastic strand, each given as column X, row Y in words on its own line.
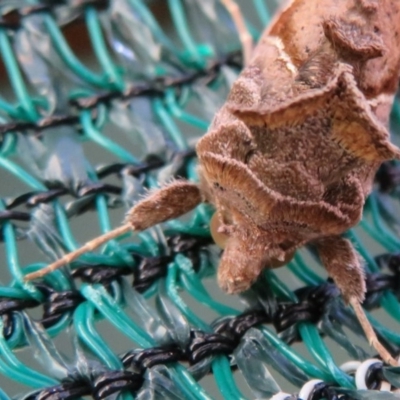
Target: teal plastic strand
column 101, row 205
column 183, row 30
column 3, row 395
column 117, row 251
column 13, row 262
column 172, row 291
column 13, row 293
column 195, row 287
column 99, row 298
column 188, row 385
column 385, row 233
column 58, row 282
column 151, row 291
column 396, row 112
column 169, row 124
column 317, row 348
column 277, row 286
column 12, row 111
column 99, row 46
column 16, row 79
column 178, row 112
column 153, row 25
column 391, row 305
column 12, row 258
column 377, row 236
column 303, row 272
column 84, row 325
column 9, row 143
column 313, row 341
column 17, row 339
column 295, row 358
column 226, row 383
column 11, row 367
column 262, row 11
column 69, row 58
column 109, row 145
column 222, row 377
column 21, row 174
column 63, row 226
column 21, row 376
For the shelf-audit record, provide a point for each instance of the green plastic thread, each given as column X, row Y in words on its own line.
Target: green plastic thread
column 16, row 370
column 94, row 134
column 262, row 11
column 113, row 77
column 17, row 82
column 180, row 23
column 69, row 57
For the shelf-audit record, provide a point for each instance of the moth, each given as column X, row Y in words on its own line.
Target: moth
column 290, row 157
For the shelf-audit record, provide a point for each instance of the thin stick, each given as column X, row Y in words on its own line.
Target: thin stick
column 370, row 333
column 244, row 36
column 89, row 246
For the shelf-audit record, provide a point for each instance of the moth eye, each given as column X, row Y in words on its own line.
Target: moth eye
column 217, row 186
column 285, row 245
column 275, row 263
column 219, row 238
column 248, row 156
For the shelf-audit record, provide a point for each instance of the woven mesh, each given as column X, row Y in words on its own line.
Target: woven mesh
column 87, row 125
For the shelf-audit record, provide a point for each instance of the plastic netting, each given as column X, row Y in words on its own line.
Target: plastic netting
column 87, row 125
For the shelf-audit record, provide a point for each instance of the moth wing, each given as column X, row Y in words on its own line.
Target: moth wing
column 240, row 188
column 354, row 125
column 353, row 39
column 265, row 84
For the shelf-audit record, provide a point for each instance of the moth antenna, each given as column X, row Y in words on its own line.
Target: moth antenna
column 169, row 202
column 244, row 36
column 370, row 333
column 89, row 246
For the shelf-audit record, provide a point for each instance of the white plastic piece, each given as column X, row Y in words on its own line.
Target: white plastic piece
column 280, row 396
column 385, row 386
column 350, row 366
column 362, row 371
column 308, row 388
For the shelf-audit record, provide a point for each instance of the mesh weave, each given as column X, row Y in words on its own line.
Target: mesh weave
column 87, row 125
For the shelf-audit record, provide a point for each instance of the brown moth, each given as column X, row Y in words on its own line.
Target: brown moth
column 290, row 158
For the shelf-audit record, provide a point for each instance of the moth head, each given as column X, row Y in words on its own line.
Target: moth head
column 247, row 251
column 239, row 226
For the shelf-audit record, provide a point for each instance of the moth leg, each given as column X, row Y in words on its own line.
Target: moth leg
column 167, row 203
column 343, row 265
column 244, row 35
